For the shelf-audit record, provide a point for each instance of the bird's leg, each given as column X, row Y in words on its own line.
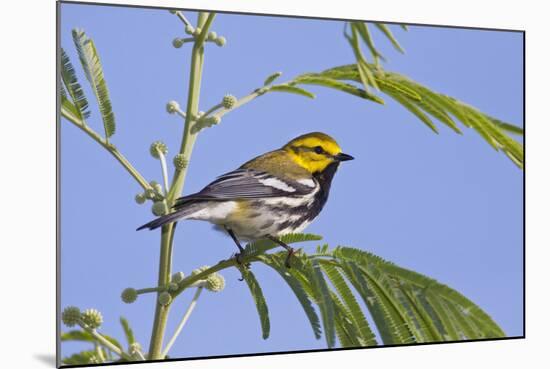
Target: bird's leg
column 240, row 254
column 290, row 250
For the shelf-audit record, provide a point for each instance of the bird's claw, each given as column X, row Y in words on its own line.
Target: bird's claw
column 239, row 259
column 289, row 256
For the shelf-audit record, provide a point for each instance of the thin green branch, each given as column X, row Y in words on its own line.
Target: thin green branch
column 104, row 342
column 183, row 321
column 164, row 171
column 180, row 15
column 109, row 147
column 165, row 264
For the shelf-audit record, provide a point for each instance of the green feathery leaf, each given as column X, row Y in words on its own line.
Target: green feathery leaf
column 453, row 310
column 441, row 312
column 367, row 337
column 387, row 32
column 363, row 30
column 80, row 358
column 507, row 127
column 421, row 101
column 324, row 301
column 292, row 90
column 272, row 78
column 259, row 300
column 346, row 330
column 69, row 111
column 128, row 332
column 68, row 76
column 313, row 79
column 365, row 74
column 263, row 245
column 414, row 110
column 89, row 58
column 277, row 264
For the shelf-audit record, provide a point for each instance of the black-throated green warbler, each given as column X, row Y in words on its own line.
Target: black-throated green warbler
column 276, row 193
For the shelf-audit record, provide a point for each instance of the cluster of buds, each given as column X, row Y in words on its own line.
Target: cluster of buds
column 159, row 208
column 194, row 33
column 213, row 283
column 90, row 318
column 154, row 193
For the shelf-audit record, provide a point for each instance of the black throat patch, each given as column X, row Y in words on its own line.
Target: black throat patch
column 325, row 179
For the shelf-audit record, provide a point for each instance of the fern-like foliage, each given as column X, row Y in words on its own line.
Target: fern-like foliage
column 68, row 76
column 100, row 354
column 424, row 103
column 128, row 332
column 91, row 64
column 259, row 299
column 405, row 306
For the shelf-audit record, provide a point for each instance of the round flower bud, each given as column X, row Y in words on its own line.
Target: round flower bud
column 229, row 101
column 220, row 41
column 178, row 42
column 197, row 31
column 156, row 147
column 212, row 36
column 94, row 360
column 199, row 270
column 70, row 316
column 177, row 277
column 200, row 114
column 140, row 198
column 210, row 121
column 129, row 295
column 189, row 30
column 156, row 186
column 92, row 318
column 180, row 162
column 165, row 298
column 172, row 11
column 159, row 208
column 215, row 282
column 172, row 107
column 173, row 286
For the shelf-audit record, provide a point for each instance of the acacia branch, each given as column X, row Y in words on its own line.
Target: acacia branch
column 109, row 147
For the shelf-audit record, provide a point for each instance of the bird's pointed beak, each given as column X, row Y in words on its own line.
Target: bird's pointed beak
column 343, row 157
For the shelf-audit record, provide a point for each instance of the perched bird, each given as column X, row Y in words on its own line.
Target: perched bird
column 274, row 194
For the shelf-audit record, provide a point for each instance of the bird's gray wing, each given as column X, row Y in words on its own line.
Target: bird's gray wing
column 249, row 184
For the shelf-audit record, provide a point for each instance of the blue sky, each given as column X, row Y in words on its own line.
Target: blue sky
column 444, row 205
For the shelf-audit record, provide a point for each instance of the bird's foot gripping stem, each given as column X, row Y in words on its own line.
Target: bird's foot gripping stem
column 289, row 255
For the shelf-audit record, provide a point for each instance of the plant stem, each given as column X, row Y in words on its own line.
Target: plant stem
column 150, row 289
column 183, row 19
column 161, row 311
column 183, row 321
column 164, row 171
column 188, row 140
column 109, row 147
column 104, row 342
column 221, row 265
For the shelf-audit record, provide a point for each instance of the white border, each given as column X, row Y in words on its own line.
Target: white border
column 28, row 166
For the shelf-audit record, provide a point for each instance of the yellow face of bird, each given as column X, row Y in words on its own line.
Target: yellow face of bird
column 315, row 151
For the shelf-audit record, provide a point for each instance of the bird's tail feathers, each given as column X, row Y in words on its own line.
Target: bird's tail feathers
column 181, row 213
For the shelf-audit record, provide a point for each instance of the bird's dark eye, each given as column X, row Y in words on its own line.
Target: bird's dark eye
column 318, row 149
